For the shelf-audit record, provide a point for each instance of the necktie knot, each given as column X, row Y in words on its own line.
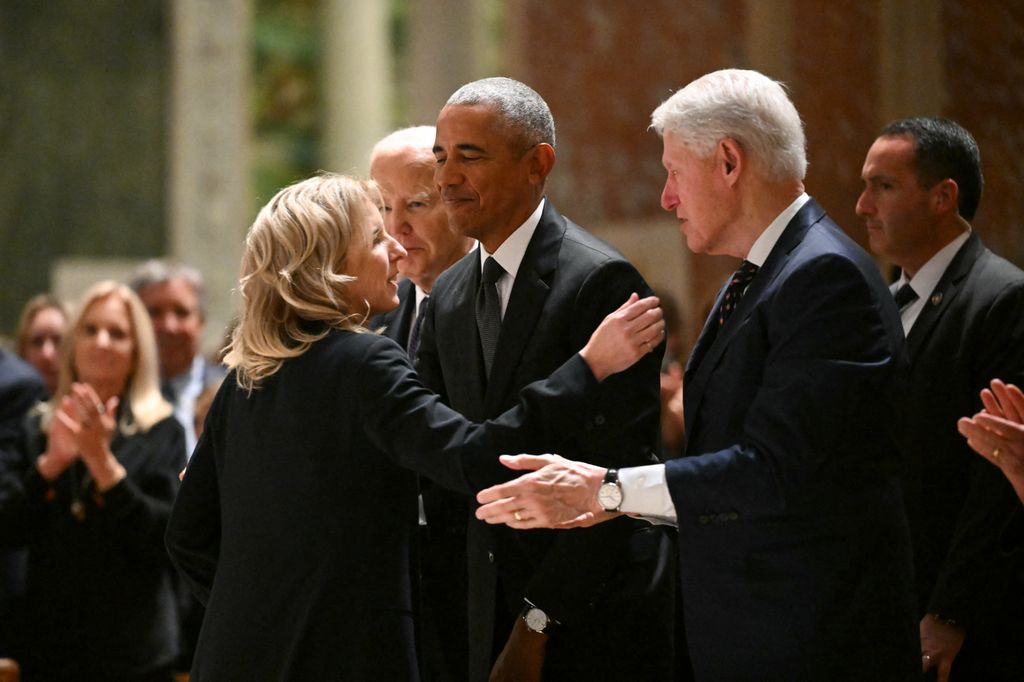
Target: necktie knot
column 738, row 283
column 905, row 295
column 492, row 271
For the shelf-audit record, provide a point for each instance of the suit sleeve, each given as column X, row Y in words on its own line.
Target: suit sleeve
column 622, row 429
column 974, row 571
column 193, row 532
column 413, row 426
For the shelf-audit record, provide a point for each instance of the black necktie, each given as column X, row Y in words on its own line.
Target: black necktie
column 737, row 285
column 488, row 310
column 414, row 335
column 905, row 295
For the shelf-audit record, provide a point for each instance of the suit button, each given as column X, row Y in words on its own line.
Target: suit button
column 703, row 519
column 599, row 420
column 733, row 516
column 490, row 557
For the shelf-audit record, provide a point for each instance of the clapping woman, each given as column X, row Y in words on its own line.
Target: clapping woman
column 295, row 516
column 93, row 502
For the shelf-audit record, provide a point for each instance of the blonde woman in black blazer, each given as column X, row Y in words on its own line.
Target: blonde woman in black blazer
column 296, row 513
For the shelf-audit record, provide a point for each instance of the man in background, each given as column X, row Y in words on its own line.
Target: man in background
column 402, row 164
column 962, row 308
column 175, row 298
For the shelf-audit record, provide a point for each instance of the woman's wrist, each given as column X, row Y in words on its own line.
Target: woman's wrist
column 107, row 473
column 48, row 467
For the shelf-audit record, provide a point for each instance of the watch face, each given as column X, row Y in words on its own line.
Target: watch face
column 536, row 620
column 610, row 496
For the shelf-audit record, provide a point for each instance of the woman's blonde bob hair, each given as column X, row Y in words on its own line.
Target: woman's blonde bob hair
column 292, row 281
column 142, row 405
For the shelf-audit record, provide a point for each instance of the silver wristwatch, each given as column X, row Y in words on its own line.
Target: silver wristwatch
column 609, row 495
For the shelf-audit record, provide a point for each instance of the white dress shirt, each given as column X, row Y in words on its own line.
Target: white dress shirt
column 925, row 280
column 644, row 490
column 510, row 255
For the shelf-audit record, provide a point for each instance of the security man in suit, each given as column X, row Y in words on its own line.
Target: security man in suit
column 402, row 164
column 794, row 551
column 576, row 605
column 962, row 309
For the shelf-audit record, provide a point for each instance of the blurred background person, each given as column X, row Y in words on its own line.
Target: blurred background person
column 20, row 389
column 175, row 298
column 42, row 324
column 997, row 433
column 99, row 473
column 402, row 164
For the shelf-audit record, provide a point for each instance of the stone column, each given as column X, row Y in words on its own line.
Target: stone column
column 357, row 73
column 209, row 207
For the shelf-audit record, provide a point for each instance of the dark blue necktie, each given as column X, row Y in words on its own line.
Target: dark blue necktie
column 414, row 336
column 737, row 285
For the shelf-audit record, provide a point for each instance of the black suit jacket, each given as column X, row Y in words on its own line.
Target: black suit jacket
column 794, row 549
column 970, row 331
column 294, row 521
column 20, row 388
column 440, row 551
column 606, row 584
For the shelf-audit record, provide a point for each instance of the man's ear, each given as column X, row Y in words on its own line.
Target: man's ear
column 945, row 196
column 730, row 159
column 541, row 159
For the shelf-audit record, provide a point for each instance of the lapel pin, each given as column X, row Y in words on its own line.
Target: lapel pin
column 936, row 298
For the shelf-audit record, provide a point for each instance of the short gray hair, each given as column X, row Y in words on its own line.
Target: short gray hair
column 416, row 138
column 158, row 271
column 743, row 105
column 523, row 110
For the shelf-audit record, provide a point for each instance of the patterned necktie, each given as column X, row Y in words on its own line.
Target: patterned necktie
column 737, row 285
column 905, row 295
column 414, row 335
column 488, row 310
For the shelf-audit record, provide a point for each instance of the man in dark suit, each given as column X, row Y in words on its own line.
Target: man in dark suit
column 962, row 308
column 402, row 164
column 21, row 387
column 794, row 553
column 584, row 604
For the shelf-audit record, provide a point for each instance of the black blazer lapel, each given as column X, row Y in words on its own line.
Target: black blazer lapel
column 525, row 304
column 700, row 367
column 943, row 295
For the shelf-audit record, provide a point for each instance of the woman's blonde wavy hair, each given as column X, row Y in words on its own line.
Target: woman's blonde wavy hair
column 145, row 405
column 293, row 273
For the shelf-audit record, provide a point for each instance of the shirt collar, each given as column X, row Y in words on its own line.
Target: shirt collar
column 764, row 244
column 510, row 254
column 925, row 280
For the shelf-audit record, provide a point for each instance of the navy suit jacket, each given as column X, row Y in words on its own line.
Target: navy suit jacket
column 607, row 584
column 794, row 551
column 970, row 331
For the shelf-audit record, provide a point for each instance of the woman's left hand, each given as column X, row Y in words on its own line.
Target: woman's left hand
column 97, row 421
column 624, row 336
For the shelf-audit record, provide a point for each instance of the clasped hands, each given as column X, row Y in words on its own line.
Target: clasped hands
column 82, row 427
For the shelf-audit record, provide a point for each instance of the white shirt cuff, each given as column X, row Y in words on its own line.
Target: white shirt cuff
column 645, row 493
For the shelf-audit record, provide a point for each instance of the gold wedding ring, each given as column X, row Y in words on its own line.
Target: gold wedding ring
column 995, row 454
column 516, row 514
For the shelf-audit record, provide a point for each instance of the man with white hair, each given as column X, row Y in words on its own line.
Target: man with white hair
column 402, row 164
column 794, row 552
